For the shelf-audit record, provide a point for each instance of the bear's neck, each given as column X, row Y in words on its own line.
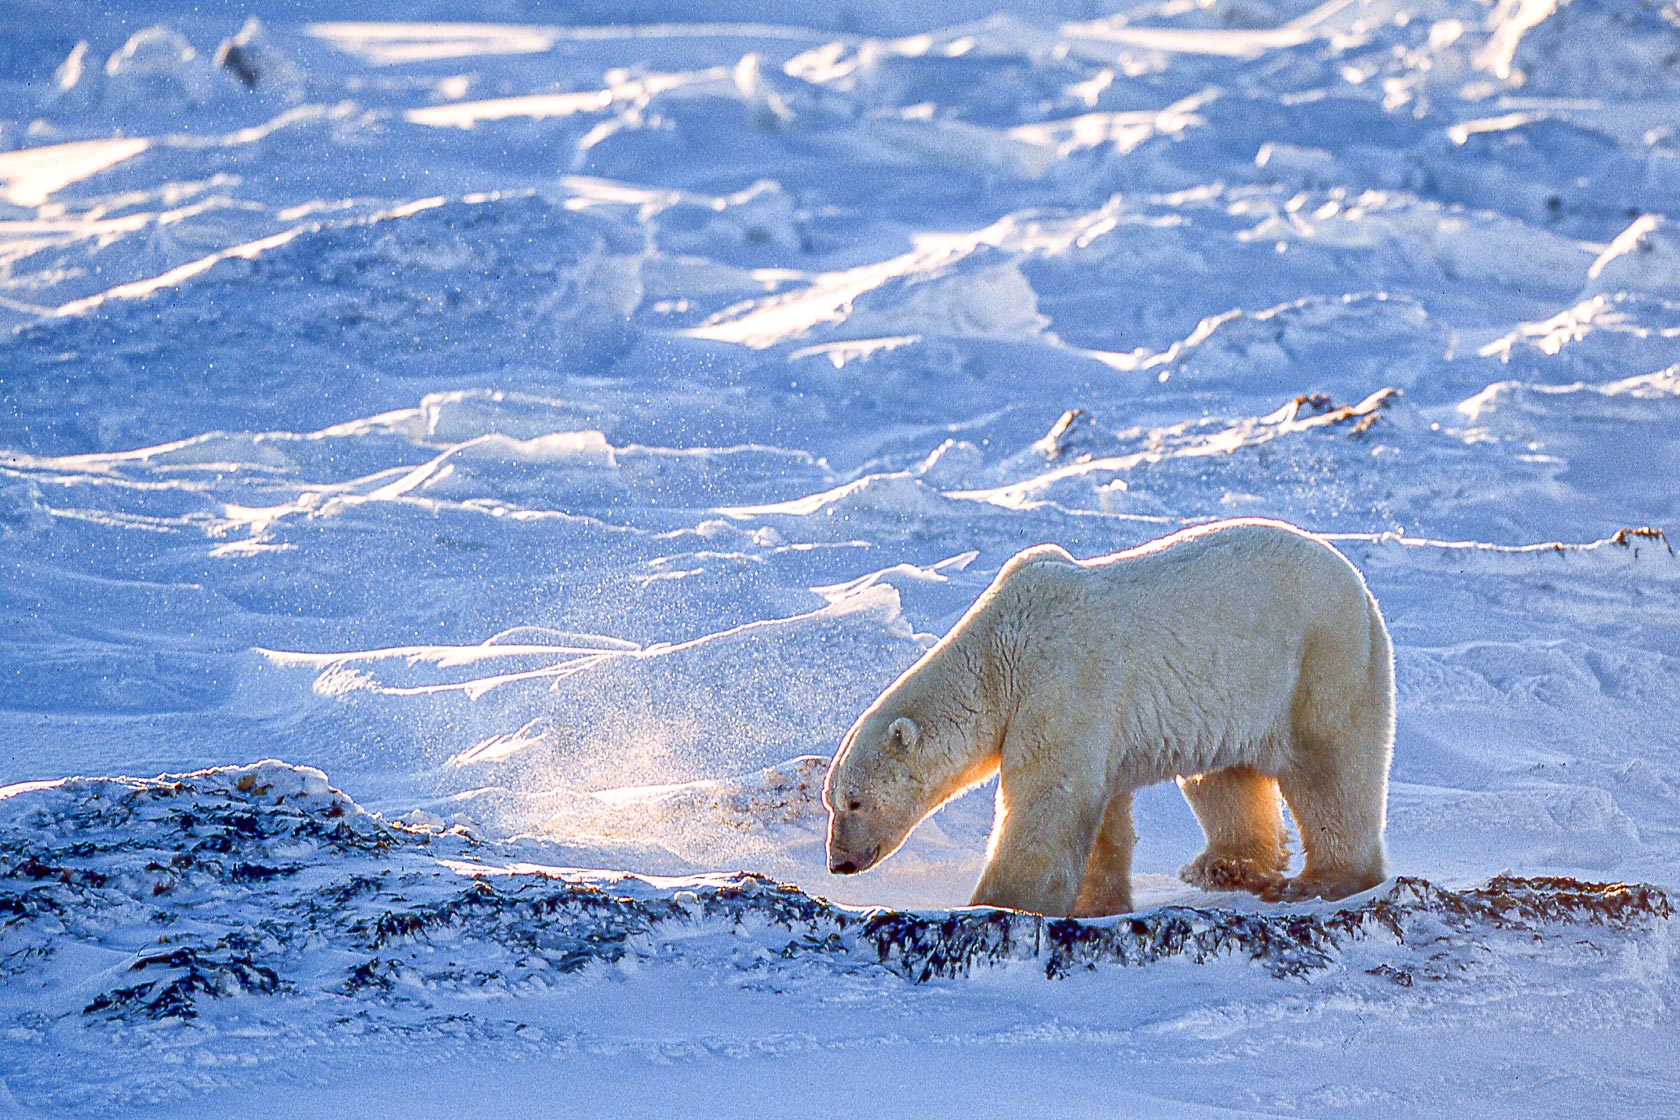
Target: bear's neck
column 953, row 683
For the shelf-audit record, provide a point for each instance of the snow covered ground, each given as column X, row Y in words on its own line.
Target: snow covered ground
column 542, row 435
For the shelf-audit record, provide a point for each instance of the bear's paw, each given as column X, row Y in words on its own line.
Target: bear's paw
column 1214, row 872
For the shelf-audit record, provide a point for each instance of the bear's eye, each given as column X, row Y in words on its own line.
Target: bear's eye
column 854, row 806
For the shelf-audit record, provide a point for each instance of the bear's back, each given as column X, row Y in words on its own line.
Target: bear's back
column 1248, row 576
column 1222, row 551
column 1200, row 640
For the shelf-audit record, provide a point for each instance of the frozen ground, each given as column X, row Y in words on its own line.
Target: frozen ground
column 550, row 433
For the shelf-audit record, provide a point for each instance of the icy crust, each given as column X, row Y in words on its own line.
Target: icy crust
column 1435, row 932
column 129, row 900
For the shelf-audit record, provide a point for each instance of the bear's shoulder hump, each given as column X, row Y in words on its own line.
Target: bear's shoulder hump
column 1037, row 561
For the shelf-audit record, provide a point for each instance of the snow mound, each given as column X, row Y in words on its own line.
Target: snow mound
column 1613, row 47
column 1601, row 338
column 488, row 281
column 253, row 900
column 250, row 866
column 155, row 70
column 877, row 501
column 1306, row 341
column 1645, row 257
column 253, row 59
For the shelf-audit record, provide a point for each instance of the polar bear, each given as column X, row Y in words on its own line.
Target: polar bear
column 1243, row 658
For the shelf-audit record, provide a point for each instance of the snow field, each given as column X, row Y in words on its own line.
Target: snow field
column 551, row 431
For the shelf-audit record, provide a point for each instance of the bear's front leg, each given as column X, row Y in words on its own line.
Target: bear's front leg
column 1040, row 846
column 1107, row 885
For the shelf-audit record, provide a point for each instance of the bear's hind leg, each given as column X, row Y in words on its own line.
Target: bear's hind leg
column 1107, row 885
column 1240, row 812
column 1336, row 782
column 1339, row 812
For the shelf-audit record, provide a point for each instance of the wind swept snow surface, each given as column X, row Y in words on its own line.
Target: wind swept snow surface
column 484, row 466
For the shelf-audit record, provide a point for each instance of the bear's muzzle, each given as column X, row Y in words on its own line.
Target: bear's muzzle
column 850, row 863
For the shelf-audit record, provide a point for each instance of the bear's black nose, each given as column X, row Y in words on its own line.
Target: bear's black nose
column 847, row 868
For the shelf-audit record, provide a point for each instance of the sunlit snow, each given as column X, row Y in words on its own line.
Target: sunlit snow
column 484, row 455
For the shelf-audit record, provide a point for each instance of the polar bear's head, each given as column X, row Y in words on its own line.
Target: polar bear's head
column 876, row 790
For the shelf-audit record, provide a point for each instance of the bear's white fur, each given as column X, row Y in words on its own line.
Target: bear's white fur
column 1242, row 658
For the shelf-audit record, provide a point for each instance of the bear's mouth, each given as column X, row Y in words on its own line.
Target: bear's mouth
column 850, row 864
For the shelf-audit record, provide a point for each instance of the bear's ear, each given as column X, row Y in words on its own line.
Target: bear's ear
column 903, row 733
